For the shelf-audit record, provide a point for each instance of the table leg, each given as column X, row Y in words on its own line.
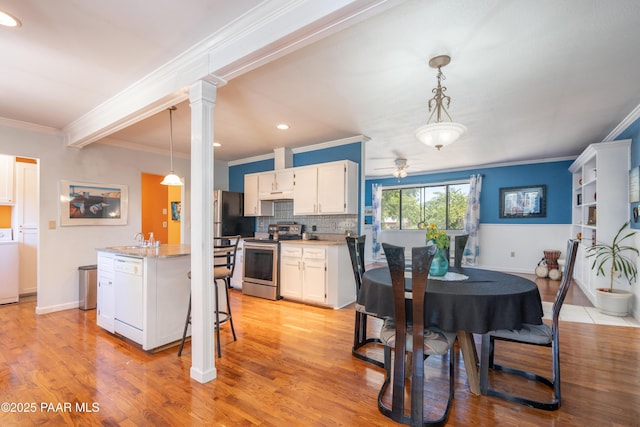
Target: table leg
column 470, row 356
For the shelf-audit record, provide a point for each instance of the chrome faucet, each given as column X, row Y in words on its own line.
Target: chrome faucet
column 139, row 238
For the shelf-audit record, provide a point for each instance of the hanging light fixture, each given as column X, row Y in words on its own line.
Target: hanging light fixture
column 172, row 178
column 439, row 133
column 401, row 168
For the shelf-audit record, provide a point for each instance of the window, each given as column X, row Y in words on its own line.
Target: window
column 410, row 208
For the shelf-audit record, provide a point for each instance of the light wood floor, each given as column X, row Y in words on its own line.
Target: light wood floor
column 291, row 365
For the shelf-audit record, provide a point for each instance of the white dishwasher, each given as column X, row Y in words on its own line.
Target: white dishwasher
column 8, row 268
column 129, row 297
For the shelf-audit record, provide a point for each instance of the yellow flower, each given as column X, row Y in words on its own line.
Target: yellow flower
column 439, row 237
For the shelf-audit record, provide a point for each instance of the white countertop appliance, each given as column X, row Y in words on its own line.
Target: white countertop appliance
column 9, row 286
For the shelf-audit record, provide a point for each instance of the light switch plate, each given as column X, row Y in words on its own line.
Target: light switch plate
column 164, row 211
column 52, row 224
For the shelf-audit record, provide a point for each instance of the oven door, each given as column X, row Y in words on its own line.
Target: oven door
column 260, row 263
column 260, row 270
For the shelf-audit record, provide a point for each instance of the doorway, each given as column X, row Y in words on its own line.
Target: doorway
column 161, row 209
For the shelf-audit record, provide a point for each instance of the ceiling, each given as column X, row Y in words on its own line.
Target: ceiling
column 531, row 80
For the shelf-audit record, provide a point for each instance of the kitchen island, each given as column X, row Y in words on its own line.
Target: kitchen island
column 143, row 293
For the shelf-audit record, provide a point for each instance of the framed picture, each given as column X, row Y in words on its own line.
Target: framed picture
column 83, row 203
column 523, row 202
column 176, row 208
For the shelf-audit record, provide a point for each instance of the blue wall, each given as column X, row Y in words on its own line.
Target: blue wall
column 342, row 152
column 633, row 133
column 555, row 175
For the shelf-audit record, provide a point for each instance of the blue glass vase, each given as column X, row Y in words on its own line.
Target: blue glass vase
column 439, row 265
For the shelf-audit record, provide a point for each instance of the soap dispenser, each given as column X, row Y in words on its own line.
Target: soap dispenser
column 152, row 240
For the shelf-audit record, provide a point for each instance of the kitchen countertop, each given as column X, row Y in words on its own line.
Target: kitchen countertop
column 163, row 251
column 314, row 242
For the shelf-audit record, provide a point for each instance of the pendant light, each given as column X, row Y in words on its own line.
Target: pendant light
column 172, row 178
column 440, row 133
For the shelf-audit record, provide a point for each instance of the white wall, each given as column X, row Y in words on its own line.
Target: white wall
column 497, row 241
column 221, row 175
column 63, row 249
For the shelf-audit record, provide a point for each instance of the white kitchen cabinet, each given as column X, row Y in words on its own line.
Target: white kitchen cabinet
column 326, row 189
column 151, row 309
column 253, row 206
column 316, row 273
column 106, row 297
column 291, row 272
column 305, row 191
column 600, row 205
column 7, row 168
column 276, row 185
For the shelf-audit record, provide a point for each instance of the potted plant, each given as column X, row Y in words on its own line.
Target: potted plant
column 614, row 260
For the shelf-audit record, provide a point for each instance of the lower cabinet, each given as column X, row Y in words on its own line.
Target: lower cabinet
column 143, row 299
column 316, row 274
column 105, row 298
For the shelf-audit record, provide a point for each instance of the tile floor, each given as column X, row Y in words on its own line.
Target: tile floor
column 576, row 313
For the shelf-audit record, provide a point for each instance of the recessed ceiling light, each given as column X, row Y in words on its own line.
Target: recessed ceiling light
column 7, row 20
column 283, row 126
column 217, row 144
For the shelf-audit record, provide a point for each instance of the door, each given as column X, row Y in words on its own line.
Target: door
column 331, row 184
column 26, row 219
column 290, row 273
column 251, row 195
column 305, row 191
column 155, row 207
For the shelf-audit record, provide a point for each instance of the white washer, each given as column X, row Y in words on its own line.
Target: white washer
column 9, row 286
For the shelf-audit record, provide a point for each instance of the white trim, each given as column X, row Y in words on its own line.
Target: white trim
column 331, row 144
column 268, row 31
column 145, row 148
column 623, row 125
column 57, row 307
column 430, row 184
column 29, row 126
column 476, row 167
column 314, row 147
column 251, row 159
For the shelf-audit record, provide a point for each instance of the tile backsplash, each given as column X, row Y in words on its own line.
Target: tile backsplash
column 325, row 224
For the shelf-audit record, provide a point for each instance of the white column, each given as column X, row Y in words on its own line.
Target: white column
column 202, row 96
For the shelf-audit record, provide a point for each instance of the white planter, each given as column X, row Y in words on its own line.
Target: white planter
column 614, row 303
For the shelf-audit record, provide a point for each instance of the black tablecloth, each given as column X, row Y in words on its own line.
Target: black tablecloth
column 486, row 301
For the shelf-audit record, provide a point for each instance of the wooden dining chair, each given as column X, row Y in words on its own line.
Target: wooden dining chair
column 540, row 335
column 224, row 260
column 406, row 333
column 360, row 338
column 460, row 243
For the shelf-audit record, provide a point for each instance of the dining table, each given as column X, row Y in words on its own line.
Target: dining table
column 466, row 300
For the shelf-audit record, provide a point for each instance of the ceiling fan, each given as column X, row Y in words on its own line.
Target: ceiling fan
column 400, row 167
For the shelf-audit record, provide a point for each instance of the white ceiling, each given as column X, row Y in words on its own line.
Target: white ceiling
column 530, row 79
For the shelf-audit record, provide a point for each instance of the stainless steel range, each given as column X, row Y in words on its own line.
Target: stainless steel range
column 261, row 275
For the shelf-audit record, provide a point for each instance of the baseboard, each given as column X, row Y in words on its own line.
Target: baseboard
column 59, row 307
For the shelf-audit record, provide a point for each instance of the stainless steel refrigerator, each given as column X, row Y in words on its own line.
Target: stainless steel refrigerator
column 228, row 214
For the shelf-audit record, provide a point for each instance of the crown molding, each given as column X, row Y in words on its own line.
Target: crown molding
column 623, row 125
column 268, row 31
column 29, row 126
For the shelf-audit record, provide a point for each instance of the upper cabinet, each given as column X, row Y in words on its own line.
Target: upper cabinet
column 322, row 189
column 7, row 168
column 600, row 204
column 326, row 189
column 253, row 206
column 276, row 185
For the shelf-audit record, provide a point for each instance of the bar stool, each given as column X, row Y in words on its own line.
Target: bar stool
column 224, row 261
